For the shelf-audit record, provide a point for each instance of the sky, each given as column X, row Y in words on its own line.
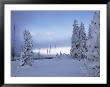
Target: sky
column 47, row 27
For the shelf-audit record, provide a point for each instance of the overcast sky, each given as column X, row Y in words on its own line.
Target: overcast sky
column 48, row 27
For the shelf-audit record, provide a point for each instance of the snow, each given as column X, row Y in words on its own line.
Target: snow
column 54, row 50
column 63, row 66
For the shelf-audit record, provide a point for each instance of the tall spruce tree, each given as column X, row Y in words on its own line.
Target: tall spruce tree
column 83, row 39
column 78, row 41
column 75, row 43
column 93, row 42
column 93, row 46
column 27, row 53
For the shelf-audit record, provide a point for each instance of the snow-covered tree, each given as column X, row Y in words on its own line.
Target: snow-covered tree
column 93, row 46
column 93, row 42
column 27, row 53
column 13, row 45
column 75, row 40
column 78, row 41
column 83, row 39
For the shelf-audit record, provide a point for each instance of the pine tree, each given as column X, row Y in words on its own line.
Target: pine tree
column 93, row 46
column 75, row 42
column 27, row 53
column 83, row 39
column 93, row 41
column 78, row 41
column 13, row 47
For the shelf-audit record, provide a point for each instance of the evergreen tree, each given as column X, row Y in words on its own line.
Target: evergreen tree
column 13, row 47
column 27, row 53
column 93, row 46
column 78, row 41
column 75, row 43
column 83, row 39
column 93, row 42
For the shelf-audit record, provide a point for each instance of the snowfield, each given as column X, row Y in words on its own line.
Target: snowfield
column 63, row 66
column 54, row 51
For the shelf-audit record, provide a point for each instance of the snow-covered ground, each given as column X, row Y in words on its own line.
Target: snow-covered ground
column 63, row 66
